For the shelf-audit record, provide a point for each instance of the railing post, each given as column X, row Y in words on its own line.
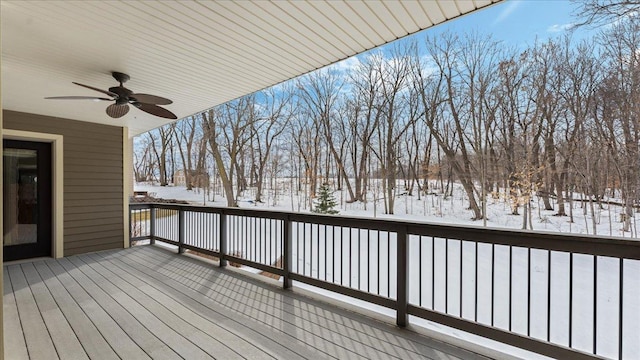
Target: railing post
column 402, row 318
column 152, row 224
column 223, row 239
column 287, row 253
column 181, row 231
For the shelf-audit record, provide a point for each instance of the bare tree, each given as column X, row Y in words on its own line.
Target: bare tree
column 304, row 132
column 454, row 99
column 363, row 115
column 396, row 115
column 209, row 120
column 319, row 93
column 618, row 111
column 185, row 134
column 143, row 164
column 274, row 120
column 160, row 143
column 599, row 12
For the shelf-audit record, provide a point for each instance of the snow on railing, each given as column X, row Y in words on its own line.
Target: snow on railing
column 562, row 296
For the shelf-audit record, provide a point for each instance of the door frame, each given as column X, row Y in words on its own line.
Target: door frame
column 57, row 182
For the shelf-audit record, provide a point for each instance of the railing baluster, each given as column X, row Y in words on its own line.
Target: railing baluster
column 324, row 252
column 510, row 284
column 548, row 296
column 420, row 267
column 493, row 292
column 298, row 247
column 433, row 273
column 475, row 310
column 359, row 258
column 368, row 260
column 446, row 276
column 131, row 233
column 570, row 299
column 461, row 271
column 528, row 292
column 315, row 240
column 378, row 264
column 595, row 304
column 620, row 308
column 388, row 264
column 333, row 254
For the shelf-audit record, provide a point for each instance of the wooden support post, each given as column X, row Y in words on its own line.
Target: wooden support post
column 152, row 225
column 223, row 239
column 402, row 317
column 181, row 231
column 287, row 254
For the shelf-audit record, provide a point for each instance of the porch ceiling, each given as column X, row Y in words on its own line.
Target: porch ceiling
column 199, row 54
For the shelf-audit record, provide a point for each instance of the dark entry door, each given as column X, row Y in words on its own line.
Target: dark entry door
column 26, row 199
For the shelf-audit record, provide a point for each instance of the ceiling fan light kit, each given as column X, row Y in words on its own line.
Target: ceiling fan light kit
column 123, row 97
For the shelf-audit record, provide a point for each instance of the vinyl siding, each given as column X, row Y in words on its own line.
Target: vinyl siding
column 93, row 179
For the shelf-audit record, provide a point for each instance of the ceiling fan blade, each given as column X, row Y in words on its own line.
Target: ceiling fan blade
column 99, row 90
column 150, row 99
column 117, row 111
column 155, row 110
column 78, row 98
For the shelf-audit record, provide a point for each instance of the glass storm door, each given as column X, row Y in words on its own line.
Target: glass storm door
column 26, row 199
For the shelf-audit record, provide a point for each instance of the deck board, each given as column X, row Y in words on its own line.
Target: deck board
column 223, row 345
column 88, row 334
column 208, row 345
column 36, row 334
column 150, row 321
column 146, row 302
column 278, row 346
column 145, row 339
column 246, row 298
column 64, row 338
column 14, row 337
column 369, row 338
column 117, row 338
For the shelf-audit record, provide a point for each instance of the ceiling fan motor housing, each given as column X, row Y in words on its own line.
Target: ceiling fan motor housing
column 123, row 94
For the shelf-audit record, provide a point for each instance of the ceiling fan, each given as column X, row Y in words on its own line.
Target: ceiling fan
column 123, row 97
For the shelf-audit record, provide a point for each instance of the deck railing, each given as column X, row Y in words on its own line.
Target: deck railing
column 558, row 295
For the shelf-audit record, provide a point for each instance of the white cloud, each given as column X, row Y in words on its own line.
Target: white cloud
column 509, row 8
column 346, row 64
column 560, row 27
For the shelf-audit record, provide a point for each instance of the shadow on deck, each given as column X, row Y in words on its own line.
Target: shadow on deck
column 146, row 302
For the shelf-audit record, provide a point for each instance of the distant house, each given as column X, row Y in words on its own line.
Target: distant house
column 198, row 178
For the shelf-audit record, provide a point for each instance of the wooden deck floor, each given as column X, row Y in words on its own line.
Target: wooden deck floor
column 146, row 302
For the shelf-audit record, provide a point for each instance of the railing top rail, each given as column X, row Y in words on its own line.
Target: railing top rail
column 582, row 244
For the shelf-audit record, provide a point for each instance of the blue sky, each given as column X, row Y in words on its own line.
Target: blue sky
column 519, row 22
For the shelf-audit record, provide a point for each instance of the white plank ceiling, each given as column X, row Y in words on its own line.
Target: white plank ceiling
column 197, row 53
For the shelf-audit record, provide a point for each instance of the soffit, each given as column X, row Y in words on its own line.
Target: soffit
column 197, row 53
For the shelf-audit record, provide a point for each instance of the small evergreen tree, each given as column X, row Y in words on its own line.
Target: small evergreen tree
column 325, row 203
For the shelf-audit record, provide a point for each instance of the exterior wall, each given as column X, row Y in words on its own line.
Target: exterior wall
column 93, row 179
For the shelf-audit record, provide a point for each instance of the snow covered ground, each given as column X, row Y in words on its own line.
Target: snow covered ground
column 433, row 208
column 366, row 260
